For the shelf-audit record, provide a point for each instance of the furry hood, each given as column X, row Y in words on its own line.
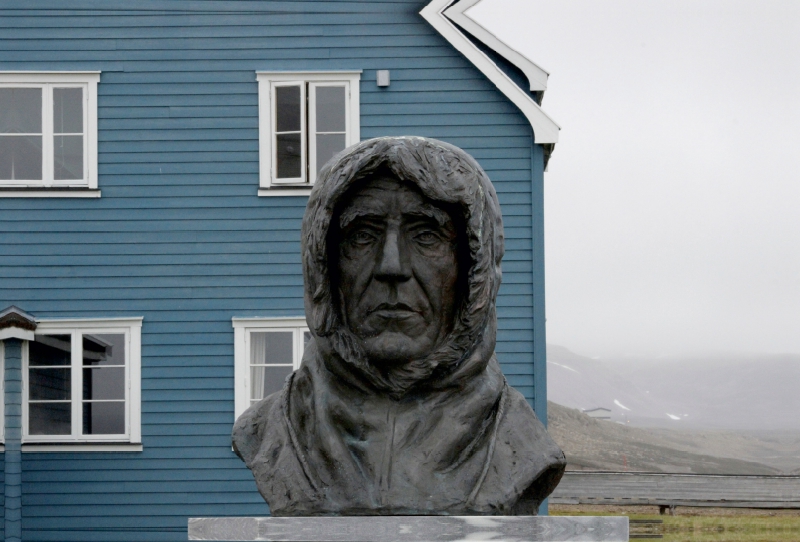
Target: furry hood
column 446, row 175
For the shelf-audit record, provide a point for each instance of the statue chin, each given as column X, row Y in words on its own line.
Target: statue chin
column 392, row 349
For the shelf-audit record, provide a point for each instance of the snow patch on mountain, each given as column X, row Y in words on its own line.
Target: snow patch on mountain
column 729, row 392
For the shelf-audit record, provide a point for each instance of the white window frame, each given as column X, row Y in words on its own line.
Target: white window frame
column 273, row 133
column 267, row 81
column 132, row 329
column 48, row 186
column 242, row 328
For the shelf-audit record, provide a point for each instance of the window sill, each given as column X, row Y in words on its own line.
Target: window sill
column 304, row 191
column 35, row 192
column 80, row 447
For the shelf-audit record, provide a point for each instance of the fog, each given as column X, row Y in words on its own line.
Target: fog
column 672, row 200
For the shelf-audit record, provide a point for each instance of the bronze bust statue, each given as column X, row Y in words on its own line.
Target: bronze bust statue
column 399, row 406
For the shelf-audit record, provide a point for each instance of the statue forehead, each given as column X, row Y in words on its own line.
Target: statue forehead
column 385, row 196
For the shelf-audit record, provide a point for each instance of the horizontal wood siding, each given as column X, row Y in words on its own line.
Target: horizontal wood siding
column 181, row 238
column 2, row 482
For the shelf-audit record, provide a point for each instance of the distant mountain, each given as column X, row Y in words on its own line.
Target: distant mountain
column 735, row 393
column 591, row 444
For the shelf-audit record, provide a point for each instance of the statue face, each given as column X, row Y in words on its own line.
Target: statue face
column 398, row 269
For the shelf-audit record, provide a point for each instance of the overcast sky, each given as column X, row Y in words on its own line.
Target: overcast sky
column 672, row 201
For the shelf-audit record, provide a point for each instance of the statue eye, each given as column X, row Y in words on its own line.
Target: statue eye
column 361, row 237
column 427, row 238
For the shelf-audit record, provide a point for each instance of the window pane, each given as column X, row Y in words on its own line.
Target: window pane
column 67, row 110
column 288, row 156
column 50, row 350
column 287, row 109
column 49, row 418
column 20, row 111
column 104, row 349
column 327, row 146
column 267, row 380
column 67, row 157
column 104, row 418
column 306, row 338
column 330, row 109
column 21, row 158
column 49, row 384
column 104, row 383
column 273, row 347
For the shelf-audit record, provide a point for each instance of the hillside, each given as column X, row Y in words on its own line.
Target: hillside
column 605, row 445
column 720, row 392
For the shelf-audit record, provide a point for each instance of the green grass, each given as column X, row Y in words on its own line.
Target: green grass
column 704, row 526
column 731, row 529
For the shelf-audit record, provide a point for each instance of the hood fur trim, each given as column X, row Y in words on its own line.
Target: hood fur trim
column 445, row 174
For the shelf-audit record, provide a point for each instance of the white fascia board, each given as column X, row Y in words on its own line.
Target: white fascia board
column 14, row 332
column 545, row 129
column 537, row 76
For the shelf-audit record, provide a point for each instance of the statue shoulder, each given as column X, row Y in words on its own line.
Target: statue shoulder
column 263, row 439
column 527, row 462
column 251, row 427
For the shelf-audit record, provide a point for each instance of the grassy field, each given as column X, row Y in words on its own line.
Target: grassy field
column 700, row 524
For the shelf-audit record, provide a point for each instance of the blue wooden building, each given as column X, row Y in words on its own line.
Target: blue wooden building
column 155, row 161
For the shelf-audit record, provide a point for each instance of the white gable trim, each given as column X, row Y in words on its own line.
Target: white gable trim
column 441, row 16
column 537, row 76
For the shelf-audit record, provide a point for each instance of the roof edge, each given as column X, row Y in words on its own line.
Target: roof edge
column 537, row 76
column 545, row 129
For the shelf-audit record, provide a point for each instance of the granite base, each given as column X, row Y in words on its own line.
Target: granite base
column 412, row 529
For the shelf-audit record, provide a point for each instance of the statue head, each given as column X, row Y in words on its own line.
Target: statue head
column 402, row 241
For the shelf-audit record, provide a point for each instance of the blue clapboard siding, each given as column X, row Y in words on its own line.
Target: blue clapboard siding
column 180, row 237
column 2, row 481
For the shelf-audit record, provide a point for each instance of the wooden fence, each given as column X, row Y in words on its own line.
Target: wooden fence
column 671, row 490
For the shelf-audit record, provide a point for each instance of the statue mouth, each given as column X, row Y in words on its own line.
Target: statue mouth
column 393, row 311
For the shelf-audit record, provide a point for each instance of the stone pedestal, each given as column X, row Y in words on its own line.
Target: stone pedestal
column 413, row 529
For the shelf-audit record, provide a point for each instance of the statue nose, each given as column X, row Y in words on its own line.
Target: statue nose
column 392, row 266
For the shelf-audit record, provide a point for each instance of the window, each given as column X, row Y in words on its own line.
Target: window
column 266, row 351
column 81, row 382
column 48, row 133
column 304, row 120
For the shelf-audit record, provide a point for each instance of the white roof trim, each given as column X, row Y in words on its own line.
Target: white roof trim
column 537, row 76
column 545, row 129
column 14, row 332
